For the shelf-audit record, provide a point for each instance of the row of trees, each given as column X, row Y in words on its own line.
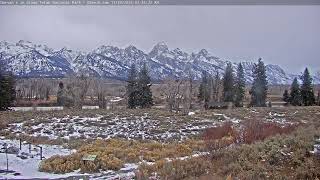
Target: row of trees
column 234, row 86
column 73, row 93
column 7, row 89
column 34, row 89
column 209, row 89
column 301, row 95
column 139, row 88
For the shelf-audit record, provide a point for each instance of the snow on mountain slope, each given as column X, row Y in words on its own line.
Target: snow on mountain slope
column 26, row 59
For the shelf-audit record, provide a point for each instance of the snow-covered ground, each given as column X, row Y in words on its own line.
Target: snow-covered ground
column 104, row 126
column 27, row 167
column 279, row 118
column 24, row 165
column 132, row 127
column 128, row 127
column 50, row 108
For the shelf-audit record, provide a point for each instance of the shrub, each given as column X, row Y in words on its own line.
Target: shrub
column 112, row 153
column 176, row 169
column 110, row 162
column 278, row 157
column 255, row 130
column 60, row 164
column 219, row 137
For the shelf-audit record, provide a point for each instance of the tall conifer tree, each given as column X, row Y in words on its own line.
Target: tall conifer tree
column 7, row 89
column 204, row 91
column 228, row 84
column 132, row 87
column 240, row 86
column 259, row 88
column 144, row 99
column 307, row 93
column 295, row 93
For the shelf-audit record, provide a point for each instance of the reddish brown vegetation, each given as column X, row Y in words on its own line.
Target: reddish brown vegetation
column 221, row 136
column 255, row 130
column 249, row 132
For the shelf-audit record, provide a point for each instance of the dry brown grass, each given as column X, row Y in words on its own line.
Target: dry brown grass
column 277, row 157
column 259, row 160
column 113, row 153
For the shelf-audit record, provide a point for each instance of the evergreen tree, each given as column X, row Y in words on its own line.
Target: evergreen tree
column 204, row 94
column 7, row 89
column 228, row 84
column 286, row 97
column 216, row 88
column 240, row 86
column 202, row 86
column 295, row 93
column 260, row 85
column 144, row 88
column 132, row 88
column 307, row 93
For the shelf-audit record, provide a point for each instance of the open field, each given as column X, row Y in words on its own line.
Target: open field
column 149, row 143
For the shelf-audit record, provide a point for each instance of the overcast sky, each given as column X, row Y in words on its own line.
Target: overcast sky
column 285, row 35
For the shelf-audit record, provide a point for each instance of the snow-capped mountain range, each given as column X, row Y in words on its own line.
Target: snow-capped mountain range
column 26, row 59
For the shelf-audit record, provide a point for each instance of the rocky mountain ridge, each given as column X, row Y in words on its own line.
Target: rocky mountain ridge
column 26, row 59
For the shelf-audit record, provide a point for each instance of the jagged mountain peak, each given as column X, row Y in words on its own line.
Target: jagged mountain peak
column 4, row 43
column 104, row 49
column 162, row 44
column 65, row 49
column 27, row 59
column 133, row 49
column 159, row 49
column 203, row 52
column 23, row 42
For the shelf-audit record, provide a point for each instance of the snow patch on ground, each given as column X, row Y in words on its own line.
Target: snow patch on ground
column 132, row 127
column 28, row 168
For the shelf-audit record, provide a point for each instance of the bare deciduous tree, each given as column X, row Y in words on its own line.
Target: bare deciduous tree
column 78, row 87
column 175, row 91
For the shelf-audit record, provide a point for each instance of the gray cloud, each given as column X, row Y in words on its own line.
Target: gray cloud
column 284, row 35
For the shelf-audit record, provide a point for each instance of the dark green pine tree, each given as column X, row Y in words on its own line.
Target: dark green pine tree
column 307, row 93
column 144, row 99
column 259, row 87
column 7, row 89
column 228, row 84
column 204, row 93
column 286, row 97
column 295, row 93
column 132, row 88
column 240, row 86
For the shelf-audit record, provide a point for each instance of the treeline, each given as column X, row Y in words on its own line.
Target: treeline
column 233, row 90
column 7, row 89
column 177, row 93
column 301, row 95
column 72, row 94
